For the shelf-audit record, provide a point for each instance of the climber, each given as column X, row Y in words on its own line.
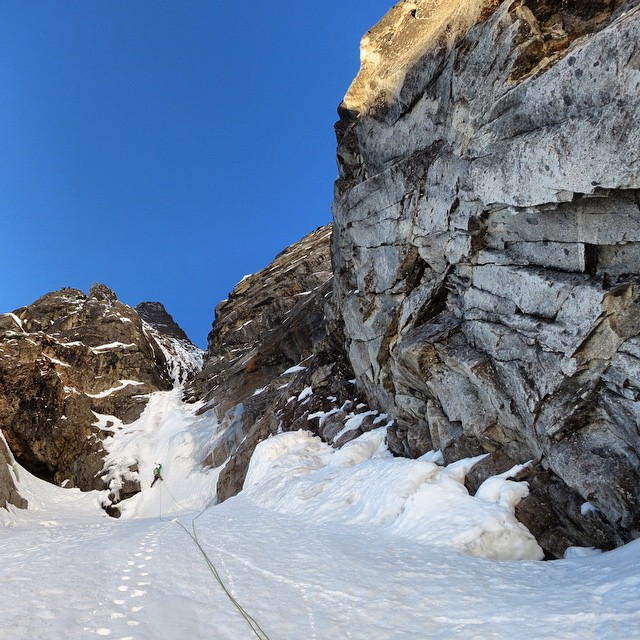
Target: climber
column 156, row 474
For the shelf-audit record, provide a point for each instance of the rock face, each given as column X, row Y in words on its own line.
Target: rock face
column 245, row 348
column 275, row 361
column 8, row 491
column 154, row 314
column 486, row 247
column 183, row 358
column 72, row 368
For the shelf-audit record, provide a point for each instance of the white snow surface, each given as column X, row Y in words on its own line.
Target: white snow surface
column 122, row 384
column 113, row 345
column 321, row 544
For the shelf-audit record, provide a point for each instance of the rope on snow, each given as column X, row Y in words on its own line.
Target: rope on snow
column 251, row 621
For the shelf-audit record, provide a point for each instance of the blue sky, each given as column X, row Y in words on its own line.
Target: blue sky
column 166, row 149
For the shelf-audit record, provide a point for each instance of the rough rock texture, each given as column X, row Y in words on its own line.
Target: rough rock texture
column 275, row 361
column 159, row 318
column 9, row 493
column 245, row 348
column 486, row 246
column 183, row 358
column 72, row 366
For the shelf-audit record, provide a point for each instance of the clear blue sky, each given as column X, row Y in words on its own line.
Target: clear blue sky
column 166, row 149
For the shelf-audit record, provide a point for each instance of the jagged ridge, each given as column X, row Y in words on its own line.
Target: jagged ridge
column 72, row 368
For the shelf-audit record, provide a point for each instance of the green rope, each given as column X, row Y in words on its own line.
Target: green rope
column 251, row 621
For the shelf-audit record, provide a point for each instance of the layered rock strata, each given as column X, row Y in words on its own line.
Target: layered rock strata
column 486, row 247
column 74, row 367
column 275, row 362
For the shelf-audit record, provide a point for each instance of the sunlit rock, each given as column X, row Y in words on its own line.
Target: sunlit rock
column 486, row 244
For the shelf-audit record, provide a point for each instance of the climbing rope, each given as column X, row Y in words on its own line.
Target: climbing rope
column 180, row 504
column 251, row 621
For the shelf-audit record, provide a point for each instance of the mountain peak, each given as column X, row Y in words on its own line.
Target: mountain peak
column 102, row 292
column 155, row 314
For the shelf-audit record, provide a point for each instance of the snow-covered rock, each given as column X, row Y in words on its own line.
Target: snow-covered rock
column 73, row 367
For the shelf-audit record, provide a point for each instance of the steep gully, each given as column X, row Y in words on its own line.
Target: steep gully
column 479, row 294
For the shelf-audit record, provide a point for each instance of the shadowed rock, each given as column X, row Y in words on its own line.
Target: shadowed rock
column 276, row 361
column 157, row 316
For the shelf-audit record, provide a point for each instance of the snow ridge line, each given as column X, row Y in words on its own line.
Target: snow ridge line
column 251, row 621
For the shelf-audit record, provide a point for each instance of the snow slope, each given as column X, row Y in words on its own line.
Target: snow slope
column 321, row 544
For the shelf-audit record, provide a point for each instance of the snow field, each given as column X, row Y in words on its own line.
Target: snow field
column 321, row 544
column 362, row 483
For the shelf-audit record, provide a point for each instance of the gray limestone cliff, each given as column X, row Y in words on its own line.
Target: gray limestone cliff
column 486, row 247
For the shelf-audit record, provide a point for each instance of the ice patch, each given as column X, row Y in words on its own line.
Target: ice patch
column 168, row 431
column 586, row 508
column 581, row 552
